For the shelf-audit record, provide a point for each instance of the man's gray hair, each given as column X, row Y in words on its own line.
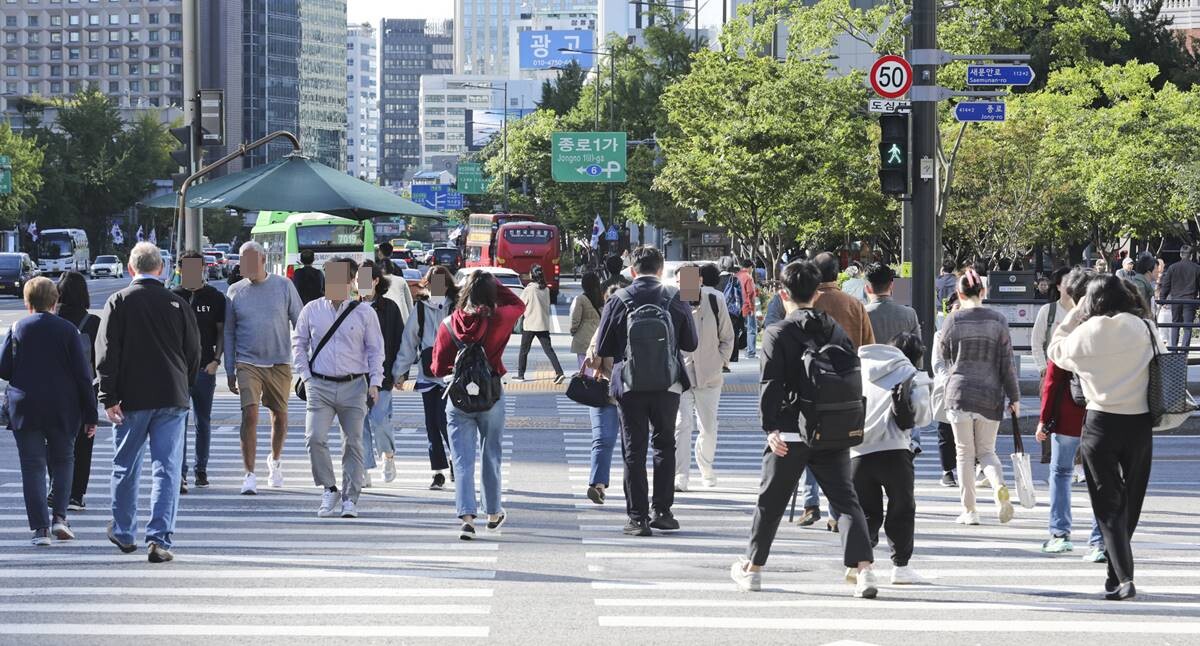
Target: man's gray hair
column 253, row 245
column 145, row 258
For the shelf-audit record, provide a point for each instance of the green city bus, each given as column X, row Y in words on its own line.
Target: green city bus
column 284, row 234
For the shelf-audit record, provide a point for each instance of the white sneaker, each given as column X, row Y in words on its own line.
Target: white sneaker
column 329, row 500
column 746, row 580
column 968, row 518
column 250, row 485
column 366, row 479
column 709, row 483
column 1004, row 510
column 349, row 510
column 389, row 469
column 1079, row 477
column 904, row 575
column 275, row 477
column 681, row 485
column 852, row 575
column 866, row 587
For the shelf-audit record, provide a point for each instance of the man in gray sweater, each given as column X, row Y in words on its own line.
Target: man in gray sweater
column 258, row 355
column 889, row 319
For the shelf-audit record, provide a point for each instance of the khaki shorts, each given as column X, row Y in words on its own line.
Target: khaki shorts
column 267, row 386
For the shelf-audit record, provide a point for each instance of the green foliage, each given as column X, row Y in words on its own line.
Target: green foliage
column 26, row 157
column 561, row 94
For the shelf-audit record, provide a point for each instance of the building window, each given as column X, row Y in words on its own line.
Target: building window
column 56, row 70
column 35, row 70
column 114, row 36
column 73, row 37
column 154, row 85
column 32, row 21
column 134, row 36
column 55, row 87
column 114, row 52
column 10, row 37
column 176, row 35
column 153, row 19
column 56, row 36
column 155, row 68
column 73, row 53
column 72, row 70
column 114, row 87
column 135, row 52
column 135, row 69
column 93, row 53
column 56, row 21
column 114, row 19
column 114, row 69
column 10, row 21
column 154, row 35
column 10, row 70
column 135, row 86
column 153, row 52
column 56, row 54
column 94, row 19
column 135, row 19
column 73, row 20
column 93, row 70
column 176, row 19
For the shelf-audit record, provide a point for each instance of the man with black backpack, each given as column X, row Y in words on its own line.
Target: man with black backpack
column 642, row 328
column 813, row 412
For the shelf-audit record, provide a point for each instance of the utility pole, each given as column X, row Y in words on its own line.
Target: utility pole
column 926, row 247
column 193, row 225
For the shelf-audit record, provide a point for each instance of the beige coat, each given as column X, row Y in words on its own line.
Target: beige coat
column 537, row 308
column 716, row 341
column 584, row 322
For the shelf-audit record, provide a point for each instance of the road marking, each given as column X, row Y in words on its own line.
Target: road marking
column 998, row 627
column 226, row 630
column 71, row 572
column 284, row 591
column 253, row 609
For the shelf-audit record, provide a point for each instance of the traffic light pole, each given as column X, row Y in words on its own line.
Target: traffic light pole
column 926, row 247
column 193, row 225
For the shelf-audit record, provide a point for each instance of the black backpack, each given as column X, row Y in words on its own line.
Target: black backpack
column 903, row 410
column 830, row 397
column 475, row 387
column 651, row 356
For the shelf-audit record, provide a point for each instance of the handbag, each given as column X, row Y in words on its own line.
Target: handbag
column 588, row 391
column 301, row 390
column 1167, row 393
column 1022, row 470
column 426, row 354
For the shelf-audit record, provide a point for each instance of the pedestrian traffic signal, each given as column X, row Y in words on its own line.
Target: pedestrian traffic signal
column 182, row 156
column 893, row 154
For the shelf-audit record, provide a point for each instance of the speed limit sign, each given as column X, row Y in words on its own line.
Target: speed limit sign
column 891, row 77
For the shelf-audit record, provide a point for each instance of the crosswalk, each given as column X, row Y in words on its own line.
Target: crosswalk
column 978, row 580
column 406, row 407
column 253, row 567
column 734, row 405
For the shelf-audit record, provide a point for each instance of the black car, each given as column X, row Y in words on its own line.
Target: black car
column 16, row 269
column 450, row 257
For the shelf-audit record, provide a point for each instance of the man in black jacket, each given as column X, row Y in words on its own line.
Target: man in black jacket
column 642, row 410
column 309, row 281
column 147, row 358
column 1181, row 281
column 788, row 452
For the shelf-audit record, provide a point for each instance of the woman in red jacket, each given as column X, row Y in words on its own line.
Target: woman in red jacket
column 486, row 314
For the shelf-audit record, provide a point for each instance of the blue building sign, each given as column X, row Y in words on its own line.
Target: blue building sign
column 437, row 197
column 539, row 49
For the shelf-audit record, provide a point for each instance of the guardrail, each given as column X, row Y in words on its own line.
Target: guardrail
column 1037, row 304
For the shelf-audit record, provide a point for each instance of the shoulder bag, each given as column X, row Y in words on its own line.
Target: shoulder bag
column 300, row 389
column 1167, row 393
column 426, row 354
column 588, row 391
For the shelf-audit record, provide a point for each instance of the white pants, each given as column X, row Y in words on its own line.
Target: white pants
column 975, row 439
column 696, row 404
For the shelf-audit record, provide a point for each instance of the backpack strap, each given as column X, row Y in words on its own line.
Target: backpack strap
column 1049, row 324
column 626, row 298
column 712, row 300
column 420, row 305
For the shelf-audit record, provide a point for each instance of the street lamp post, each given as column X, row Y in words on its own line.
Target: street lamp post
column 504, row 140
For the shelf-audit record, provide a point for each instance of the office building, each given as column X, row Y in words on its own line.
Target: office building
column 362, row 103
column 221, row 69
column 132, row 52
column 481, row 30
column 409, row 51
column 582, row 20
column 621, row 19
column 323, row 81
column 447, row 101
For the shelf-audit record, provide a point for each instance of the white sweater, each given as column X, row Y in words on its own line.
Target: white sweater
column 1111, row 355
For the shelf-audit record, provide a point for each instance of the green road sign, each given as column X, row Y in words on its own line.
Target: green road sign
column 587, row 156
column 5, row 175
column 470, row 179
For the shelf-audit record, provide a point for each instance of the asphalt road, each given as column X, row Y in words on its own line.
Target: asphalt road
column 266, row 570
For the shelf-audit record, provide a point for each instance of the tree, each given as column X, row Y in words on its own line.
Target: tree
column 562, row 94
column 26, row 158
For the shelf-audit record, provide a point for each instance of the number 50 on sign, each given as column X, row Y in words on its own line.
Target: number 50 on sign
column 891, row 77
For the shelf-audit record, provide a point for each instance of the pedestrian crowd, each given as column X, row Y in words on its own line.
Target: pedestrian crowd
column 844, row 391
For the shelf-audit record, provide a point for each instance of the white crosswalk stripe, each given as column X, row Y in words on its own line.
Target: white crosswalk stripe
column 406, row 406
column 680, row 582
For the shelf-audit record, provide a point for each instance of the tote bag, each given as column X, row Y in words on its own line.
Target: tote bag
column 1167, row 393
column 1022, row 470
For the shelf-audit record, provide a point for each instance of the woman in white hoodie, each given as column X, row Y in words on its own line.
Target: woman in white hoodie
column 1108, row 342
column 898, row 400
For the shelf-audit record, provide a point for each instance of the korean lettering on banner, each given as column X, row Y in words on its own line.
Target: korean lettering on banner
column 539, row 44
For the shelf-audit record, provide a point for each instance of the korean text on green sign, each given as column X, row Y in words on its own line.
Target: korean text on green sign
column 470, row 179
column 588, row 156
column 5, row 175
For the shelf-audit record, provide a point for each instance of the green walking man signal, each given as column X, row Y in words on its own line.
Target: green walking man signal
column 893, row 154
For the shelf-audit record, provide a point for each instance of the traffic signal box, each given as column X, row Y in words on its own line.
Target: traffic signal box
column 893, row 154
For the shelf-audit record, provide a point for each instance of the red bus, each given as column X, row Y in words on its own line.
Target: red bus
column 516, row 242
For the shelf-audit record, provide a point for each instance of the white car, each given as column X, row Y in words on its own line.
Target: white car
column 107, row 267
column 507, row 277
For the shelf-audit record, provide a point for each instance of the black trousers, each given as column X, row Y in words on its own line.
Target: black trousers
column 1117, row 450
column 83, row 465
column 946, row 448
column 527, row 341
column 435, row 427
column 648, row 419
column 739, row 335
column 779, row 479
column 889, row 472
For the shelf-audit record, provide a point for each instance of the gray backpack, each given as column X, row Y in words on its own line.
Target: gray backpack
column 651, row 351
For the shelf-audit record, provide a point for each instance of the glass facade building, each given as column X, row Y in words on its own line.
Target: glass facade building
column 409, row 50
column 323, row 81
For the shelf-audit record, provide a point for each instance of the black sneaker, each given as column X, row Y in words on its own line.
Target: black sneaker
column 494, row 525
column 183, row 486
column 76, row 504
column 948, row 479
column 665, row 522
column 127, row 548
column 595, row 495
column 439, row 482
column 810, row 516
column 832, row 525
column 159, row 554
column 466, row 532
column 201, row 480
column 637, row 528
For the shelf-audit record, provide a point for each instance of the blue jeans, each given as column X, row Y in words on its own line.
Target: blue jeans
column 377, row 430
column 606, row 423
column 38, row 450
column 1062, row 468
column 809, row 491
column 164, row 427
column 468, row 431
column 202, row 401
column 751, row 333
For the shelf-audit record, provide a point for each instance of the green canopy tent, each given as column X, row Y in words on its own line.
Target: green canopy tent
column 295, row 183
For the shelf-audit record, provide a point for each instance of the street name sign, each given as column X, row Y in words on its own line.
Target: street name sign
column 588, row 156
column 891, row 77
column 437, row 197
column 5, row 175
column 980, row 111
column 470, row 179
column 889, row 106
column 1000, row 75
